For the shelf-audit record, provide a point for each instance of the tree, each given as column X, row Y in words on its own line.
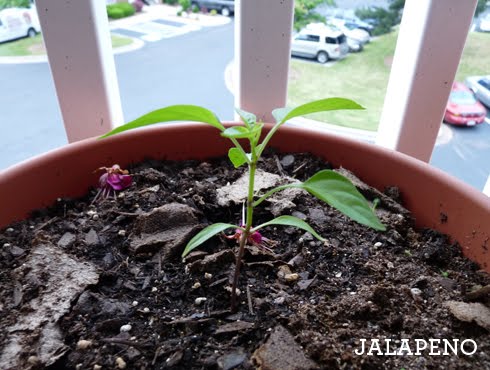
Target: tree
column 14, row 4
column 481, row 5
column 382, row 19
column 304, row 12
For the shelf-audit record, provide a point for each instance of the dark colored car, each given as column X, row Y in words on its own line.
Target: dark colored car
column 224, row 7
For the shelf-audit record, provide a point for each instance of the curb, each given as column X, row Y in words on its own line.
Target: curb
column 27, row 59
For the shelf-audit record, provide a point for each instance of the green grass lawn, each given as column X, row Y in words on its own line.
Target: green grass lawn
column 363, row 77
column 35, row 46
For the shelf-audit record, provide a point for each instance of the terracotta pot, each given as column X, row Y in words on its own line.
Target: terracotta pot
column 436, row 199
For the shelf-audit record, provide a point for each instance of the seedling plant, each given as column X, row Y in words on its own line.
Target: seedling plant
column 326, row 185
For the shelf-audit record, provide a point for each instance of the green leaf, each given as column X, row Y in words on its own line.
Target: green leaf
column 280, row 113
column 237, row 157
column 237, row 132
column 339, row 192
column 248, row 118
column 169, row 114
column 283, row 114
column 291, row 221
column 205, row 234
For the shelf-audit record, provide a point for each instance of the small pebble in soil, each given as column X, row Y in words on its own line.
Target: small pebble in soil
column 390, row 265
column 135, row 303
column 83, row 344
column 154, row 289
column 196, row 285
column 97, row 367
column 279, row 300
column 291, row 277
column 125, row 328
column 200, row 300
column 33, row 360
column 378, row 244
column 146, row 310
column 338, row 274
column 416, row 291
column 121, row 233
column 287, row 160
column 237, row 291
column 120, row 363
column 10, row 230
column 208, row 276
column 6, row 245
column 91, row 212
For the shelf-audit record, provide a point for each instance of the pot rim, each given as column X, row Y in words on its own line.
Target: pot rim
column 376, row 165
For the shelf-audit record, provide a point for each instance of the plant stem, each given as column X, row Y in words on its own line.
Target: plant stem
column 246, row 233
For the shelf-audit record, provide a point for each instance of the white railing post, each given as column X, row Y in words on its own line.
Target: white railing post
column 430, row 43
column 78, row 43
column 263, row 31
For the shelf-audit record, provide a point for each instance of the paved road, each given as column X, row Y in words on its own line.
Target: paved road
column 467, row 155
column 187, row 68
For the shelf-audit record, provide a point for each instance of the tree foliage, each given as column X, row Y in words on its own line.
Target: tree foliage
column 481, row 5
column 14, row 4
column 382, row 19
column 304, row 12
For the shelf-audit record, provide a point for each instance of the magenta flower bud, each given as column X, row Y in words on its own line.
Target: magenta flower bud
column 114, row 178
column 119, row 181
column 256, row 237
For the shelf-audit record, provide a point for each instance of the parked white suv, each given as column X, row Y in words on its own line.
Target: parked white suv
column 320, row 42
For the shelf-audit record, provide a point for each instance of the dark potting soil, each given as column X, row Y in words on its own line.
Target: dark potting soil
column 103, row 286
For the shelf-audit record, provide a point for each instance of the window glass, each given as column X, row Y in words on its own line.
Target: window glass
column 313, row 38
column 362, row 75
column 485, row 83
column 462, row 97
column 162, row 57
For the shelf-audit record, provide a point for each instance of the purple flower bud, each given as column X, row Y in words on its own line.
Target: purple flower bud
column 119, row 181
column 114, row 178
column 256, row 237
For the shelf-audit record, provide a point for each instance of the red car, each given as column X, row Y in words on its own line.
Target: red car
column 462, row 107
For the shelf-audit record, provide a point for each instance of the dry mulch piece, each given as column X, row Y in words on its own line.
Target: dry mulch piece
column 102, row 285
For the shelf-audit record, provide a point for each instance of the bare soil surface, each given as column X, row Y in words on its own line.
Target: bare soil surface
column 103, row 286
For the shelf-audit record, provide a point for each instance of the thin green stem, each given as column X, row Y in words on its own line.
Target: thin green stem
column 271, row 133
column 246, row 233
column 239, row 147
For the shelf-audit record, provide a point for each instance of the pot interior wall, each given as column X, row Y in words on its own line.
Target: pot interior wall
column 436, row 200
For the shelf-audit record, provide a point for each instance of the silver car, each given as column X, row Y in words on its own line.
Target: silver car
column 320, row 42
column 480, row 85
